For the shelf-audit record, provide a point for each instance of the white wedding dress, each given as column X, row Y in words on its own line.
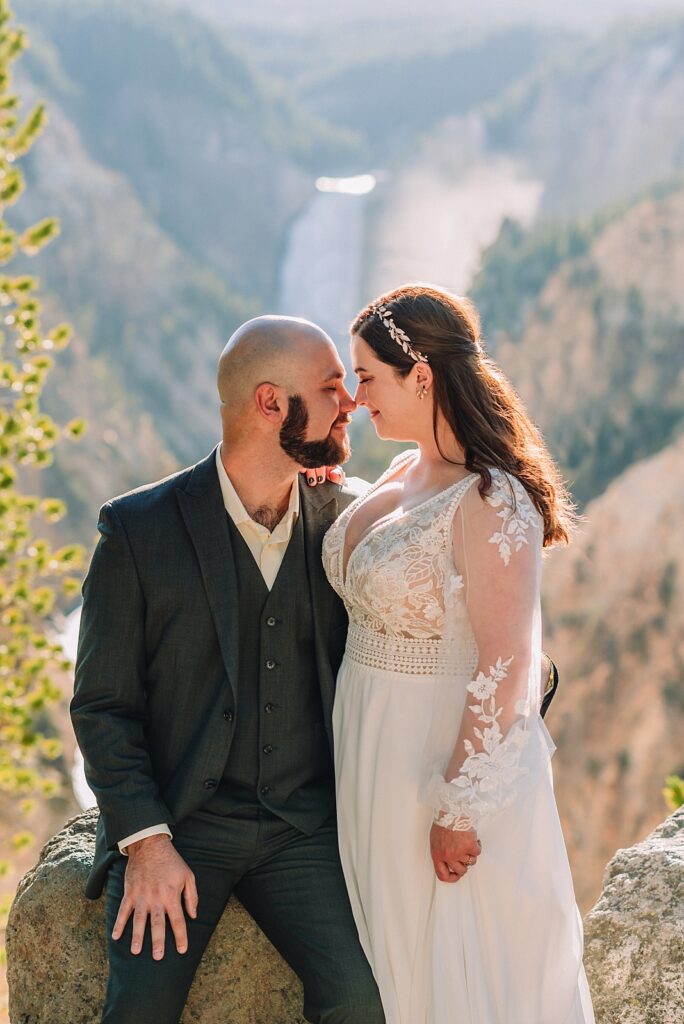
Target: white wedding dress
column 442, row 666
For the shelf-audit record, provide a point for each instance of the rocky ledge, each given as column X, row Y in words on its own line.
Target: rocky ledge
column 57, row 963
column 634, row 936
column 634, row 943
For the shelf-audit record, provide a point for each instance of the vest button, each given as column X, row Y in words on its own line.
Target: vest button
column 268, row 749
column 270, row 621
column 265, row 790
column 270, row 664
column 228, row 715
column 210, row 783
column 268, row 708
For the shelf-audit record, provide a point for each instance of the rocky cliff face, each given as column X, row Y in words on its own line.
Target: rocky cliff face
column 141, row 351
column 602, row 123
column 600, row 358
column 175, row 173
column 212, row 150
column 614, row 619
column 592, row 128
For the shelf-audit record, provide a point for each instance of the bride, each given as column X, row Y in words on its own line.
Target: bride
column 449, row 833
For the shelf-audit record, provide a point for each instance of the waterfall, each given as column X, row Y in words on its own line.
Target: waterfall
column 322, row 270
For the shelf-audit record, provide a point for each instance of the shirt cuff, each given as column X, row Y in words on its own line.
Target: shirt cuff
column 153, row 830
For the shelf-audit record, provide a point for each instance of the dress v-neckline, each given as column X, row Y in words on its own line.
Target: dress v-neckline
column 391, row 517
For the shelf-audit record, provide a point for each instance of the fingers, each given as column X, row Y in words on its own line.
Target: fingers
column 157, row 913
column 158, row 929
column 319, row 474
column 468, row 848
column 449, row 872
column 442, row 871
column 312, row 475
column 474, row 849
column 139, row 922
column 190, row 896
column 180, row 934
column 457, row 846
column 125, row 910
column 453, row 852
column 469, row 853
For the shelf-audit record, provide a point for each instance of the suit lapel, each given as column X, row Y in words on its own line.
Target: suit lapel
column 202, row 508
column 319, row 510
column 204, row 514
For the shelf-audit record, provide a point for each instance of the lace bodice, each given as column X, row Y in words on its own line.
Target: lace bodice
column 394, row 581
column 461, row 607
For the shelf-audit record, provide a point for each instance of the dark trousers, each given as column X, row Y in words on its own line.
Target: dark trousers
column 291, row 884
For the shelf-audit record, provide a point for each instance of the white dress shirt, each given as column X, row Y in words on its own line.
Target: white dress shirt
column 268, row 550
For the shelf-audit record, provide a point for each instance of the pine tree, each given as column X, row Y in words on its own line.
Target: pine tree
column 32, row 572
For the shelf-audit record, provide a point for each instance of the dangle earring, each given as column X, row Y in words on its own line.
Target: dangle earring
column 421, row 392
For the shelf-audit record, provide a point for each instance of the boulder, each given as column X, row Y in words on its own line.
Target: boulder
column 57, row 961
column 57, row 964
column 634, row 936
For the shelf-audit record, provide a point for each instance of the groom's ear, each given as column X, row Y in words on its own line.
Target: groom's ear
column 271, row 402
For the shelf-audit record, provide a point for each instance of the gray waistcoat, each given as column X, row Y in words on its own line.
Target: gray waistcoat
column 280, row 757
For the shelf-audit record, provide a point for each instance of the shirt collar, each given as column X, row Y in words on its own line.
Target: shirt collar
column 237, row 511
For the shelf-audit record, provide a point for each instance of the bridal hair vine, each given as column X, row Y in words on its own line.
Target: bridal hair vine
column 397, row 334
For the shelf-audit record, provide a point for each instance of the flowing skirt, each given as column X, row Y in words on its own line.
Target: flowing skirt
column 501, row 946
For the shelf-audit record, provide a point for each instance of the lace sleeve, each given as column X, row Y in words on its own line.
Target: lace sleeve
column 497, row 553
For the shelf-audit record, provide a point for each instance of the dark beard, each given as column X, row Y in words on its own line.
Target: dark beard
column 309, row 454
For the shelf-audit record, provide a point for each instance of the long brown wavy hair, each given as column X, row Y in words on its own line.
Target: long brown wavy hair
column 474, row 396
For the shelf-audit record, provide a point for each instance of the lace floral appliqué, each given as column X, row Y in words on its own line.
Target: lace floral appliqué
column 485, row 782
column 516, row 511
column 397, row 578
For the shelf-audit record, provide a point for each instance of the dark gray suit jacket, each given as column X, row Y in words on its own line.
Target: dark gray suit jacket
column 157, row 654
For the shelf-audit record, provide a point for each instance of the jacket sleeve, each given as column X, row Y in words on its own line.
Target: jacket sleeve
column 109, row 703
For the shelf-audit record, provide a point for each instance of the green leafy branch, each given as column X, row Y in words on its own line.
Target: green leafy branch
column 32, row 571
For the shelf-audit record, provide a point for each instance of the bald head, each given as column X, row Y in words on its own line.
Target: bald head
column 267, row 348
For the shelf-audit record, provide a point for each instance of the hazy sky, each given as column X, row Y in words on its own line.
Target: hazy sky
column 590, row 15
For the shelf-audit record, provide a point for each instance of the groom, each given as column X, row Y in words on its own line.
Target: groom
column 209, row 645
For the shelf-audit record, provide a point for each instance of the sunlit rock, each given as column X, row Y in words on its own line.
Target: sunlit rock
column 57, row 963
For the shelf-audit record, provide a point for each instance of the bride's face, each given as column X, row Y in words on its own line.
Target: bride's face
column 389, row 398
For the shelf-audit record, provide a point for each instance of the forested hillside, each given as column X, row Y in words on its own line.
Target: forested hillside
column 589, row 322
column 175, row 169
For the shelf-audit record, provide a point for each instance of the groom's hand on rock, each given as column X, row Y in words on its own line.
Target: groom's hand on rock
column 156, row 879
column 453, row 852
